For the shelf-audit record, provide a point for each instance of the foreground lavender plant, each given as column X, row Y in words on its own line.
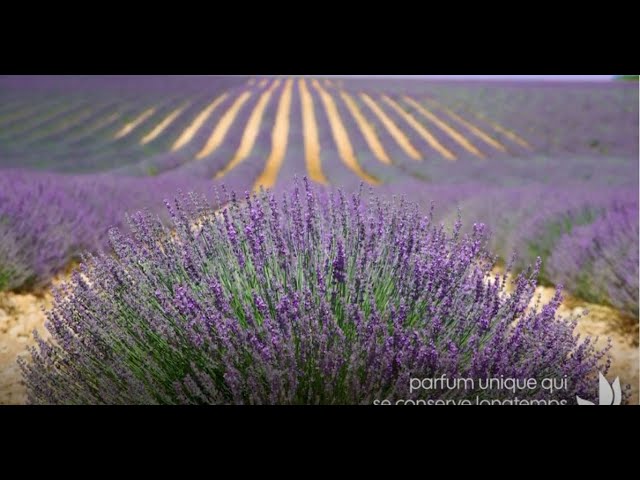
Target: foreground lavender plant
column 315, row 298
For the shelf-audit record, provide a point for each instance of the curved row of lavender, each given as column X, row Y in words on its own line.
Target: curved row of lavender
column 586, row 234
column 532, row 199
column 48, row 220
column 600, row 260
column 311, row 298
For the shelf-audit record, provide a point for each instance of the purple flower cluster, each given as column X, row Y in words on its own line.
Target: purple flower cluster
column 314, row 297
column 599, row 262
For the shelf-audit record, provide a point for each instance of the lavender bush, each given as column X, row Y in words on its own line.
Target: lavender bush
column 312, row 298
column 599, row 262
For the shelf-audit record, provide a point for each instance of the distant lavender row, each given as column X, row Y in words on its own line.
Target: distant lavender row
column 547, row 220
column 47, row 220
column 126, row 84
column 599, row 261
column 556, row 119
column 584, row 122
column 594, row 119
column 587, row 235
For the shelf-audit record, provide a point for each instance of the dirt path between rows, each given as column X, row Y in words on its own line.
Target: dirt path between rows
column 341, row 136
column 20, row 314
column 279, row 140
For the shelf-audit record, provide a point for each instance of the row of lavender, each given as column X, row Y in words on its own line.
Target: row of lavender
column 47, row 220
column 86, row 129
column 78, row 135
column 587, row 234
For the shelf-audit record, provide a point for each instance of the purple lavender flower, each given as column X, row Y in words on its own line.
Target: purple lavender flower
column 174, row 317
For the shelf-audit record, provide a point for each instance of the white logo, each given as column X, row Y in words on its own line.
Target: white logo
column 609, row 394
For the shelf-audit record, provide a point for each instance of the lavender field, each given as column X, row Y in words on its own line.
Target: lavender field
column 549, row 169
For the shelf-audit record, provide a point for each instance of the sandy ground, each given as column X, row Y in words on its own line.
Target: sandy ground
column 131, row 126
column 20, row 314
column 163, row 125
column 187, row 135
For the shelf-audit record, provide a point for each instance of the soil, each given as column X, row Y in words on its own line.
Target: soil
column 20, row 315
